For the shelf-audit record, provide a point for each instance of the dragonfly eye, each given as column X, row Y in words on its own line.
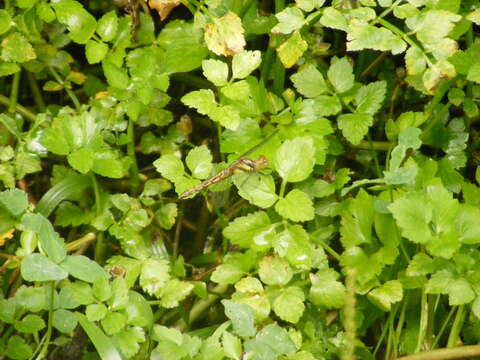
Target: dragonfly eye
column 261, row 162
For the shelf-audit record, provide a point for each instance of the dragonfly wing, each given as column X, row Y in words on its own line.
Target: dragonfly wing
column 258, row 189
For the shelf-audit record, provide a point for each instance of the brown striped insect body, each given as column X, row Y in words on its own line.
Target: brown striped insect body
column 242, row 165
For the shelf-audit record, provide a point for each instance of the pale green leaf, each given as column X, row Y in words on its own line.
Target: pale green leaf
column 274, row 271
column 290, row 19
column 354, row 126
column 216, row 71
column 340, row 74
column 245, row 62
column 296, row 206
column 309, row 82
column 294, row 159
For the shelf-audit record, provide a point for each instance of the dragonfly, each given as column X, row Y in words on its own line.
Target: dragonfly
column 242, row 165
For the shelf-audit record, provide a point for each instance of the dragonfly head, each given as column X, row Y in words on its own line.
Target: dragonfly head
column 261, row 162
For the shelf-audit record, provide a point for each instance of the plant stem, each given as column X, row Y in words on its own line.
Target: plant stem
column 461, row 352
column 282, row 188
column 36, row 93
column 134, row 179
column 70, row 93
column 201, row 306
column 14, row 93
column 423, row 321
column 456, row 327
column 48, row 334
column 19, row 108
column 99, row 244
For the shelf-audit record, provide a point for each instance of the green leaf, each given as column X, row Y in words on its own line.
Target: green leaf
column 31, row 298
column 201, row 100
column 294, row 245
column 5, row 21
column 64, row 321
column 387, row 294
column 474, row 73
column 30, row 324
column 340, row 75
column 96, row 312
column 232, row 345
column 274, row 271
column 291, row 50
column 271, row 342
column 102, row 343
column 258, row 189
column 18, row 349
column 183, row 45
column 14, row 200
column 167, row 215
column 460, row 292
column 334, row 19
column 309, row 82
column 199, row 161
column 244, row 63
column 227, row 116
column 227, row 274
column 369, row 98
column 82, row 268
column 81, row 159
column 155, row 273
column 245, row 231
column 138, row 310
column 16, row 48
column 289, row 304
column 421, row 264
column 296, row 206
column 162, row 333
column 170, row 166
column 354, row 126
column 241, row 316
column 216, row 71
column 413, row 214
column 49, row 239
column 113, row 323
column 467, row 224
column 79, row 21
column 326, row 290
column 107, row 26
column 36, row 267
column 55, row 141
column 225, row 35
column 174, row 292
column 294, row 160
column 290, row 19
column 8, row 69
column 95, row 51
column 362, row 35
column 116, row 76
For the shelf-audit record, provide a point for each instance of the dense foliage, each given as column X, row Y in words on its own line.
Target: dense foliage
column 359, row 240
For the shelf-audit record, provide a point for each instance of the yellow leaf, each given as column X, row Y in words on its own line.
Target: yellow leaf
column 225, row 35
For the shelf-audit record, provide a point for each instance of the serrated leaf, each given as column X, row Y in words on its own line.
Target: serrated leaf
column 354, row 126
column 199, row 161
column 326, row 290
column 258, row 189
column 30, row 324
column 290, row 19
column 216, row 71
column 16, row 48
column 274, row 271
column 14, row 200
column 227, row 116
column 291, row 50
column 387, row 294
column 81, row 159
column 248, row 230
column 107, row 26
column 170, row 166
column 116, row 76
column 244, row 63
column 95, row 51
column 82, row 268
column 270, row 343
column 241, row 316
column 413, row 214
column 362, row 35
column 201, row 100
column 294, row 159
column 369, row 98
column 309, row 82
column 340, row 75
column 80, row 23
column 154, row 275
column 173, row 292
column 289, row 304
column 296, row 206
column 225, row 35
column 36, row 267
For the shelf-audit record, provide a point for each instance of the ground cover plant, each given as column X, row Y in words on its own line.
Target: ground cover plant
column 357, row 238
